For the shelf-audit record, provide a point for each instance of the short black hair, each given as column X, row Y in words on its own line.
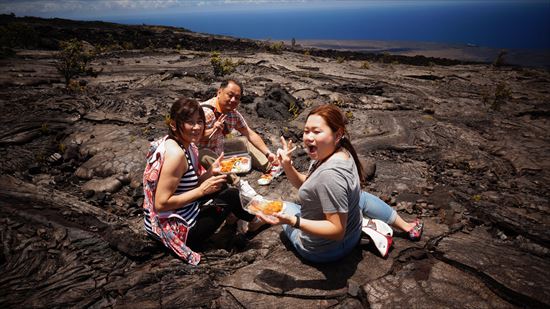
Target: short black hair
column 226, row 82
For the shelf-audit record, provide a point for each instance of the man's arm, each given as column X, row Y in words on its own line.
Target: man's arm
column 257, row 141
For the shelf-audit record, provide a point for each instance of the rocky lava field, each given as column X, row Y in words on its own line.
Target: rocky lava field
column 464, row 146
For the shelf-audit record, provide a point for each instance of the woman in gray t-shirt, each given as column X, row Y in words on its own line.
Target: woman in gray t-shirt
column 327, row 225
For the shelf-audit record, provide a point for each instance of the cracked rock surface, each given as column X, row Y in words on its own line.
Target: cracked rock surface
column 71, row 224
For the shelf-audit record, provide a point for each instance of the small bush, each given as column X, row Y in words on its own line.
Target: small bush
column 502, row 95
column 127, row 45
column 500, row 59
column 61, row 147
column 496, row 99
column 74, row 61
column 340, row 59
column 294, row 109
column 74, row 86
column 386, row 58
column 365, row 65
column 339, row 102
column 276, row 48
column 223, row 66
column 44, row 128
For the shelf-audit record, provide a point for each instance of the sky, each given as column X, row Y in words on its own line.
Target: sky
column 98, row 9
column 488, row 23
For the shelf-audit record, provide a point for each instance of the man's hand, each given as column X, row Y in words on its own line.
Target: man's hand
column 271, row 157
column 218, row 125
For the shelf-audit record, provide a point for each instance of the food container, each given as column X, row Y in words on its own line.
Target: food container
column 265, row 205
column 236, row 158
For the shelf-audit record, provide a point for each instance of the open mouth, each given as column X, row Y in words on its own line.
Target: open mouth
column 311, row 149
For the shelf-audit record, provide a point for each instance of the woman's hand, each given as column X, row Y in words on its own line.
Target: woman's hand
column 216, row 167
column 212, row 184
column 276, row 218
column 283, row 155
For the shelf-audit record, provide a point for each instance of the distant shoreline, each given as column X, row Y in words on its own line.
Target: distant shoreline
column 466, row 52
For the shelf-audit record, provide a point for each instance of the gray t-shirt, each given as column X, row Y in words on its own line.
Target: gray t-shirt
column 332, row 187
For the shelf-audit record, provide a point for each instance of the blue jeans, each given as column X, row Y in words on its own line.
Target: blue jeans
column 375, row 208
column 371, row 206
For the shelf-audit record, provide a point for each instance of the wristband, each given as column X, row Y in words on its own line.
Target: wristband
column 297, row 223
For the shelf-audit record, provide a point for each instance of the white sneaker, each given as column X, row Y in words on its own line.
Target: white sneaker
column 247, row 192
column 276, row 170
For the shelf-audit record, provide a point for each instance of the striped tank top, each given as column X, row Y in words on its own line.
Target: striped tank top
column 189, row 212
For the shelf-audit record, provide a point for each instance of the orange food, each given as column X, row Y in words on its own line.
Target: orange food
column 233, row 164
column 267, row 207
column 272, row 207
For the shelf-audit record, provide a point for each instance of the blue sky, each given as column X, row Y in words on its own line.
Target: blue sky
column 490, row 23
column 98, row 9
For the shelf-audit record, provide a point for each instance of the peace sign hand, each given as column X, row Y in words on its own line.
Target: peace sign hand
column 218, row 125
column 284, row 154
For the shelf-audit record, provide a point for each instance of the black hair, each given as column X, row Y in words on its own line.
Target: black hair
column 182, row 110
column 226, row 82
column 337, row 121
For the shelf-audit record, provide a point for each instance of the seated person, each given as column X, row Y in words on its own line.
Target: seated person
column 327, row 225
column 184, row 203
column 222, row 117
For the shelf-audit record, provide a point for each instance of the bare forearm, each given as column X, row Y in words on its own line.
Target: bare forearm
column 258, row 142
column 178, row 201
column 294, row 177
column 320, row 228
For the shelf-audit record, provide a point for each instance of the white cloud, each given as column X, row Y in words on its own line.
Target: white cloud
column 76, row 8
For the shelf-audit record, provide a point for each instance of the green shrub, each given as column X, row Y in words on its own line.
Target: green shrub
column 365, row 65
column 44, row 128
column 502, row 95
column 276, row 48
column 294, row 109
column 223, row 66
column 340, row 59
column 339, row 102
column 74, row 61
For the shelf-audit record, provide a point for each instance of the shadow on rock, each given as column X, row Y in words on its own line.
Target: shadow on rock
column 336, row 274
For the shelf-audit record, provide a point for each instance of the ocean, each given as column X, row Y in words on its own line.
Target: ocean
column 494, row 24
